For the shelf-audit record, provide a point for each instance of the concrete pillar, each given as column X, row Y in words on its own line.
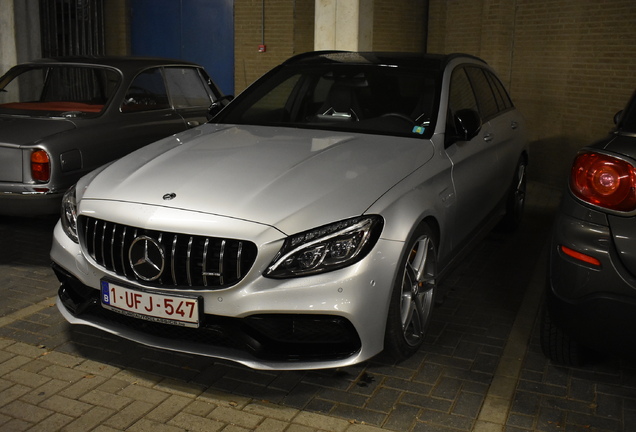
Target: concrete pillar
column 344, row 25
column 27, row 30
column 8, row 54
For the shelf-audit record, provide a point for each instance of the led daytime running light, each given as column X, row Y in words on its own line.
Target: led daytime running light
column 326, row 248
column 320, row 240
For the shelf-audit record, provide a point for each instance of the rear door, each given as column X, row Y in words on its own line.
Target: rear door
column 475, row 162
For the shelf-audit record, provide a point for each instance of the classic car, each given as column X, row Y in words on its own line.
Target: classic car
column 62, row 118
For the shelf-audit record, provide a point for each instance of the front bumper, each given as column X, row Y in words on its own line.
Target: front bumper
column 316, row 322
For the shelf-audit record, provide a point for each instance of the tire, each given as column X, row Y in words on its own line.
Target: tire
column 558, row 346
column 516, row 201
column 413, row 296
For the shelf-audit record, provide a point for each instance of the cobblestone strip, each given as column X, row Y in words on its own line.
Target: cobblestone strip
column 494, row 412
column 43, row 390
column 29, row 310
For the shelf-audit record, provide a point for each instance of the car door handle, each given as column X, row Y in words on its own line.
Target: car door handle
column 193, row 123
column 514, row 125
column 488, row 137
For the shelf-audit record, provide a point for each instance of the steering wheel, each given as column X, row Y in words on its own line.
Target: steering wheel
column 398, row 115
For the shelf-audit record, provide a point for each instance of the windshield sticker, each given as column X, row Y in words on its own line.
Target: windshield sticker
column 419, row 129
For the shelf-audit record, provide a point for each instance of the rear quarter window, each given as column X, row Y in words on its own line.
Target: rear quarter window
column 488, row 107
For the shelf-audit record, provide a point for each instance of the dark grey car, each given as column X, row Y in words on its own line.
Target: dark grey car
column 591, row 293
column 61, row 118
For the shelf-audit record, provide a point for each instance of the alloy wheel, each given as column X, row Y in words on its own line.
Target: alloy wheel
column 418, row 289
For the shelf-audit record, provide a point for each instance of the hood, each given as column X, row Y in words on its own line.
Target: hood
column 291, row 179
column 25, row 130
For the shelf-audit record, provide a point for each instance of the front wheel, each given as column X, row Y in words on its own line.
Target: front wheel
column 413, row 296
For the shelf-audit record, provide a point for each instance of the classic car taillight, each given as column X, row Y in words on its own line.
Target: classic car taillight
column 40, row 166
column 605, row 181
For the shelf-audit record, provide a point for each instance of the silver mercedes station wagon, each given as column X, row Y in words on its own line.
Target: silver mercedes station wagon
column 309, row 223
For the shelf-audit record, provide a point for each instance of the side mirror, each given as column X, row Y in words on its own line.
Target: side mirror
column 618, row 117
column 219, row 104
column 467, row 123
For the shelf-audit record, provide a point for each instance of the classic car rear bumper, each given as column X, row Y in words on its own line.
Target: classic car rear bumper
column 30, row 203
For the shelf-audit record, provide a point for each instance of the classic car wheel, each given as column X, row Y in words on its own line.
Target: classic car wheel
column 413, row 296
column 558, row 346
column 516, row 199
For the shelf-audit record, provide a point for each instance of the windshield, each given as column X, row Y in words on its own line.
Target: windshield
column 58, row 90
column 368, row 98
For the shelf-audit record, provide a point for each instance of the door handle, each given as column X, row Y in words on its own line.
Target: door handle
column 514, row 125
column 193, row 123
column 488, row 137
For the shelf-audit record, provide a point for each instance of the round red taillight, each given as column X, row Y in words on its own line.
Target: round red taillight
column 40, row 166
column 604, row 181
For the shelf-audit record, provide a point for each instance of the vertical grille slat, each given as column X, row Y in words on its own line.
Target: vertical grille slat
column 221, row 258
column 239, row 251
column 112, row 247
column 94, row 241
column 121, row 252
column 173, row 260
column 190, row 261
column 102, row 243
column 205, row 262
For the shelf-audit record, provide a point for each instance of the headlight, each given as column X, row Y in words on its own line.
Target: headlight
column 326, row 248
column 69, row 214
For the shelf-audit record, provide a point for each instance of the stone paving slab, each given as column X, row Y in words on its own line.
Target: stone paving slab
column 480, row 370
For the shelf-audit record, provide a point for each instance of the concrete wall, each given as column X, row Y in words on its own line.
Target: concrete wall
column 569, row 65
column 8, row 55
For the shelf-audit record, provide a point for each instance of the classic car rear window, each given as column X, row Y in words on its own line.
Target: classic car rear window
column 57, row 89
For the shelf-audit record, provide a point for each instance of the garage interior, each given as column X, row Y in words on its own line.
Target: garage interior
column 569, row 65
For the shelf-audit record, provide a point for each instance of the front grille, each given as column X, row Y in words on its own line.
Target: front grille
column 190, row 261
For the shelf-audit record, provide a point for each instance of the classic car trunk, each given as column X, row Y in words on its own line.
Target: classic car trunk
column 10, row 164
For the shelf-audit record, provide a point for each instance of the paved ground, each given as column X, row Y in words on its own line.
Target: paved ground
column 480, row 370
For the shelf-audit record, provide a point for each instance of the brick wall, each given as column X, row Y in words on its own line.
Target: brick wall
column 569, row 64
column 285, row 27
column 399, row 25
column 117, row 27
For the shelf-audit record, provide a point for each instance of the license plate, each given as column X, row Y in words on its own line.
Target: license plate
column 166, row 309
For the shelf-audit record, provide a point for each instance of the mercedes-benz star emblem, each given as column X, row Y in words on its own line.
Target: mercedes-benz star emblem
column 147, row 258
